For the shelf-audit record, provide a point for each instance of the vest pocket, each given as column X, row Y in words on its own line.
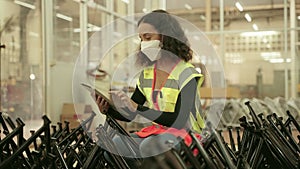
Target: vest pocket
column 169, row 98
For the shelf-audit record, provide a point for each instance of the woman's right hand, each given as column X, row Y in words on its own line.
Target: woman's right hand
column 102, row 104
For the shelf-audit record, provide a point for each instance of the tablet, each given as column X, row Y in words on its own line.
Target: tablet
column 102, row 90
column 103, row 93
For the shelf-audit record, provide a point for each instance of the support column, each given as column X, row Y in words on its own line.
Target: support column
column 208, row 16
column 294, row 65
column 285, row 31
column 47, row 28
column 222, row 46
column 84, row 31
column 163, row 4
column 148, row 5
column 155, row 5
column 131, row 26
column 110, row 18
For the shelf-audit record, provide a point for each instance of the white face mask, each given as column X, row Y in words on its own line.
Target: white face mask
column 151, row 49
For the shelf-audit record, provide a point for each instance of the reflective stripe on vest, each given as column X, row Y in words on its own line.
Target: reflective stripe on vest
column 178, row 78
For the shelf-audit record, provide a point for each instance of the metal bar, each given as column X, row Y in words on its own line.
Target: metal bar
column 238, row 137
column 281, row 136
column 77, row 129
column 223, row 149
column 253, row 115
column 232, row 144
column 108, row 143
column 24, row 146
column 203, row 153
column 293, row 120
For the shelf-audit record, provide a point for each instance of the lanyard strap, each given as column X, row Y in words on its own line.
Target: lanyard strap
column 154, row 81
column 153, row 88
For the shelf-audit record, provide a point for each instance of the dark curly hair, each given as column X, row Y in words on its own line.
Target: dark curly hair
column 172, row 35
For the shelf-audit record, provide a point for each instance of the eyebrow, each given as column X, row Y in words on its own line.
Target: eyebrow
column 145, row 34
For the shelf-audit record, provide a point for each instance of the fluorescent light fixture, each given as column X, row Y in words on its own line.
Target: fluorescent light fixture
column 248, row 17
column 27, row 5
column 202, row 17
column 265, row 40
column 126, row 1
column 234, row 58
column 76, row 30
column 145, row 10
column 64, row 17
column 94, row 29
column 33, row 34
column 255, row 27
column 91, row 28
column 32, row 76
column 278, row 60
column 239, row 6
column 260, row 33
column 187, row 6
column 270, row 55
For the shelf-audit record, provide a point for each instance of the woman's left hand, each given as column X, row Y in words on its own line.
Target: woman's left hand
column 121, row 100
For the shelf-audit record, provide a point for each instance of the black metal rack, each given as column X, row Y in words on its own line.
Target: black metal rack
column 261, row 142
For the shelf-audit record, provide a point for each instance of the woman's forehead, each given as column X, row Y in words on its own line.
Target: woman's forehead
column 146, row 28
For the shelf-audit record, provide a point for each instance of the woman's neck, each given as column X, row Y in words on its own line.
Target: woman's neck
column 166, row 63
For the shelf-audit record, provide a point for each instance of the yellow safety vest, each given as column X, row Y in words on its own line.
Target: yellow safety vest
column 182, row 73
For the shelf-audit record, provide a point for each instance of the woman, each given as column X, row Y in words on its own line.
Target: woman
column 168, row 84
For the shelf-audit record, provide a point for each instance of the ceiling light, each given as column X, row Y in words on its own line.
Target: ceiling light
column 298, row 17
column 255, row 27
column 270, row 55
column 76, row 30
column 33, row 34
column 126, row 1
column 90, row 28
column 265, row 40
column 27, row 5
column 239, row 6
column 145, row 10
column 64, row 17
column 93, row 28
column 32, row 76
column 187, row 6
column 202, row 17
column 260, row 33
column 279, row 60
column 248, row 17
